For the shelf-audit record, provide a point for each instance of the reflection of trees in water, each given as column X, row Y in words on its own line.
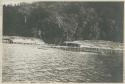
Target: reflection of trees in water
column 112, row 64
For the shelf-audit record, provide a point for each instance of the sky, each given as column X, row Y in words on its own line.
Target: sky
column 30, row 1
column 18, row 1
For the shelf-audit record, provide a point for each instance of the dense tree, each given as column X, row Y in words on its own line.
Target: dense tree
column 55, row 22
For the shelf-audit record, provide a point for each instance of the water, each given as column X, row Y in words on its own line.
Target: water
column 27, row 63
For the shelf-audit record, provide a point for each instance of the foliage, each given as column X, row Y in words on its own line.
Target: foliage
column 55, row 22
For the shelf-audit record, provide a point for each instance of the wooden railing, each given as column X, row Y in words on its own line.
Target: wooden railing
column 88, row 49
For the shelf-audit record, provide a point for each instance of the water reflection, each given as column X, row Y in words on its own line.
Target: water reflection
column 28, row 63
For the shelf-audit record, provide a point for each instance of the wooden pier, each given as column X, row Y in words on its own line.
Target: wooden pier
column 89, row 49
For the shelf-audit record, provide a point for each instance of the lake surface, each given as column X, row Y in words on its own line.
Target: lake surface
column 28, row 63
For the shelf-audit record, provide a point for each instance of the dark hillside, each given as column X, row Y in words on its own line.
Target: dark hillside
column 55, row 22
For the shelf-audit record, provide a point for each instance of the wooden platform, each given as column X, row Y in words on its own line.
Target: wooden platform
column 88, row 49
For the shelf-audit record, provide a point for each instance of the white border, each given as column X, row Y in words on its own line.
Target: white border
column 30, row 1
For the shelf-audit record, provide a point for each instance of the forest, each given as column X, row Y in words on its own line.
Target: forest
column 56, row 22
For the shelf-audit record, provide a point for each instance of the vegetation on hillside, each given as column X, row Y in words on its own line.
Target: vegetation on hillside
column 55, row 22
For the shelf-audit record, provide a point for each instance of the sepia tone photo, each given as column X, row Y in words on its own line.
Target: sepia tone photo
column 62, row 42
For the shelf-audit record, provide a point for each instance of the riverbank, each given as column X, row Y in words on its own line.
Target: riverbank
column 96, row 46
